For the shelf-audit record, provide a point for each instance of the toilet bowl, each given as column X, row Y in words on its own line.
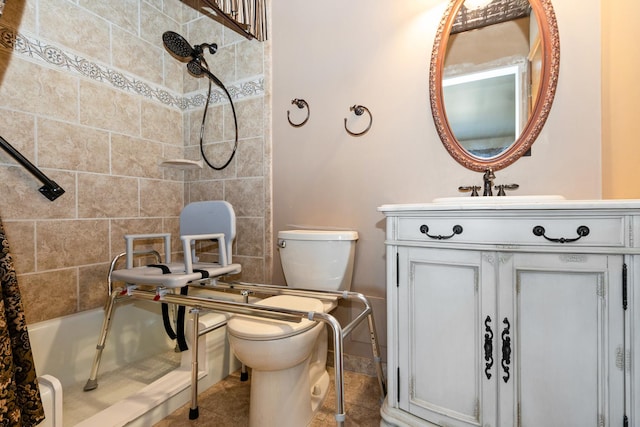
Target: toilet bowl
column 288, row 359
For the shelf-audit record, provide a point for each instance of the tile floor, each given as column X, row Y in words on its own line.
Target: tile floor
column 227, row 404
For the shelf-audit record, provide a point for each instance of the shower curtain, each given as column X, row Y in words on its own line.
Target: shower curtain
column 20, row 403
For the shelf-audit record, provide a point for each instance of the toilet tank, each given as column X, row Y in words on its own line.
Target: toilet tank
column 317, row 259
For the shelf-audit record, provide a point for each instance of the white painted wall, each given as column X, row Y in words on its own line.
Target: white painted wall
column 337, row 53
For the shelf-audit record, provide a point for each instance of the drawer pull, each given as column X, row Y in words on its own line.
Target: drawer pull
column 582, row 231
column 457, row 229
column 488, row 347
column 506, row 350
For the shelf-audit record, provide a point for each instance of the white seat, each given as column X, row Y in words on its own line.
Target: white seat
column 206, row 220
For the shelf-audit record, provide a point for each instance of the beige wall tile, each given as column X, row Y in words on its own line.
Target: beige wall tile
column 213, row 125
column 21, row 237
column 252, row 269
column 218, row 154
column 18, row 129
column 75, row 28
column 153, row 24
column 106, row 108
column 24, row 201
column 49, row 295
column 246, row 196
column 250, row 237
column 249, row 59
column 92, row 286
column 250, row 115
column 161, row 198
column 104, row 196
column 251, row 158
column 137, row 56
column 63, row 244
column 135, row 157
column 162, row 123
column 123, row 13
column 30, row 88
column 205, row 190
column 66, row 146
column 174, row 73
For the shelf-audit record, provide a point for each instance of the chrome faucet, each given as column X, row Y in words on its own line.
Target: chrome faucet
column 488, row 178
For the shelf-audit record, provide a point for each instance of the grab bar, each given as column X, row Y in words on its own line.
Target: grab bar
column 50, row 189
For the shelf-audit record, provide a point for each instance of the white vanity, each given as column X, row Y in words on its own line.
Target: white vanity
column 510, row 312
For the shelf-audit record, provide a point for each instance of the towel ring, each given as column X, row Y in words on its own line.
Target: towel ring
column 301, row 103
column 358, row 111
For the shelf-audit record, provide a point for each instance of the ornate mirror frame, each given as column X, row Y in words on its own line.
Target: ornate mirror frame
column 549, row 78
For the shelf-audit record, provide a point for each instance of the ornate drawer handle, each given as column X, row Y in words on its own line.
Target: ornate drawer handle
column 488, row 347
column 506, row 350
column 457, row 229
column 582, row 231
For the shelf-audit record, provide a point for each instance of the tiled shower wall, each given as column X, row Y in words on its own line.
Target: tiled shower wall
column 89, row 95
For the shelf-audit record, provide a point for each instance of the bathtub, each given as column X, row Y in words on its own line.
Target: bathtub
column 141, row 378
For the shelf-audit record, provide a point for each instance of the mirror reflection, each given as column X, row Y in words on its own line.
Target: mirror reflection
column 489, row 78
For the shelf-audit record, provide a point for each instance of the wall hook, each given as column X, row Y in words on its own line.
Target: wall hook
column 358, row 111
column 300, row 103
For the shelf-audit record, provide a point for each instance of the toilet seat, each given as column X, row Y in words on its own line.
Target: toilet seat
column 261, row 329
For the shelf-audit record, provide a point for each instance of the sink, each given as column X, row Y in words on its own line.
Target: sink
column 498, row 199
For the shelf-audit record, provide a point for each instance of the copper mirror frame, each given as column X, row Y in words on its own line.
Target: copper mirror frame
column 550, row 65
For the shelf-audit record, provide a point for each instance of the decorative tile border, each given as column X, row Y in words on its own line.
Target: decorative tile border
column 14, row 41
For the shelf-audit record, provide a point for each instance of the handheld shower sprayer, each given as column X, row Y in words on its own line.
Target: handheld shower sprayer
column 197, row 66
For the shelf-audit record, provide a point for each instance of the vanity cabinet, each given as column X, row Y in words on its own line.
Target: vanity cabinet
column 492, row 324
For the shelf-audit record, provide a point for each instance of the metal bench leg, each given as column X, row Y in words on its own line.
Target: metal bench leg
column 92, row 382
column 193, row 411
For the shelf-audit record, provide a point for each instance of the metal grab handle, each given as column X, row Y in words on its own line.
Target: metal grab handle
column 488, row 347
column 300, row 103
column 358, row 111
column 582, row 231
column 506, row 350
column 457, row 229
column 51, row 190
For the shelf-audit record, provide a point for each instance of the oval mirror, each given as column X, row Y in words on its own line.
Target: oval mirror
column 493, row 76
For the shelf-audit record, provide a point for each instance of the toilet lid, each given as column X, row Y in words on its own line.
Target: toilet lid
column 257, row 328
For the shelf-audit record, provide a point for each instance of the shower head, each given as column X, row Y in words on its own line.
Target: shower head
column 181, row 49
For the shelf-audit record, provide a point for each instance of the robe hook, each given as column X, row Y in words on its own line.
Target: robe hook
column 359, row 110
column 300, row 103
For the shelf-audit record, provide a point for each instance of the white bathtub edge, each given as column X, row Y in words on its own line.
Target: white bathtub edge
column 51, row 395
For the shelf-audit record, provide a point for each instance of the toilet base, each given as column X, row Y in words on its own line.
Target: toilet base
column 286, row 398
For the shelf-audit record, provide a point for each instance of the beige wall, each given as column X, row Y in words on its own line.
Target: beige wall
column 90, row 96
column 620, row 99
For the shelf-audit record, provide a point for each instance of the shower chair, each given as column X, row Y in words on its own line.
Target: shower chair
column 168, row 283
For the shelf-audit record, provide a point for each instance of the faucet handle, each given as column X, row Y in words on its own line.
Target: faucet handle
column 473, row 188
column 503, row 187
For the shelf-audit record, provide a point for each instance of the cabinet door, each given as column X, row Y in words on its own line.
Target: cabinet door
column 565, row 329
column 442, row 306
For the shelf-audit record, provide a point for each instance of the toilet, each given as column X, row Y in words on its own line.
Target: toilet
column 288, row 359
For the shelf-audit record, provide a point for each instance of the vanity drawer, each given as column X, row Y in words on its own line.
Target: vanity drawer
column 585, row 231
